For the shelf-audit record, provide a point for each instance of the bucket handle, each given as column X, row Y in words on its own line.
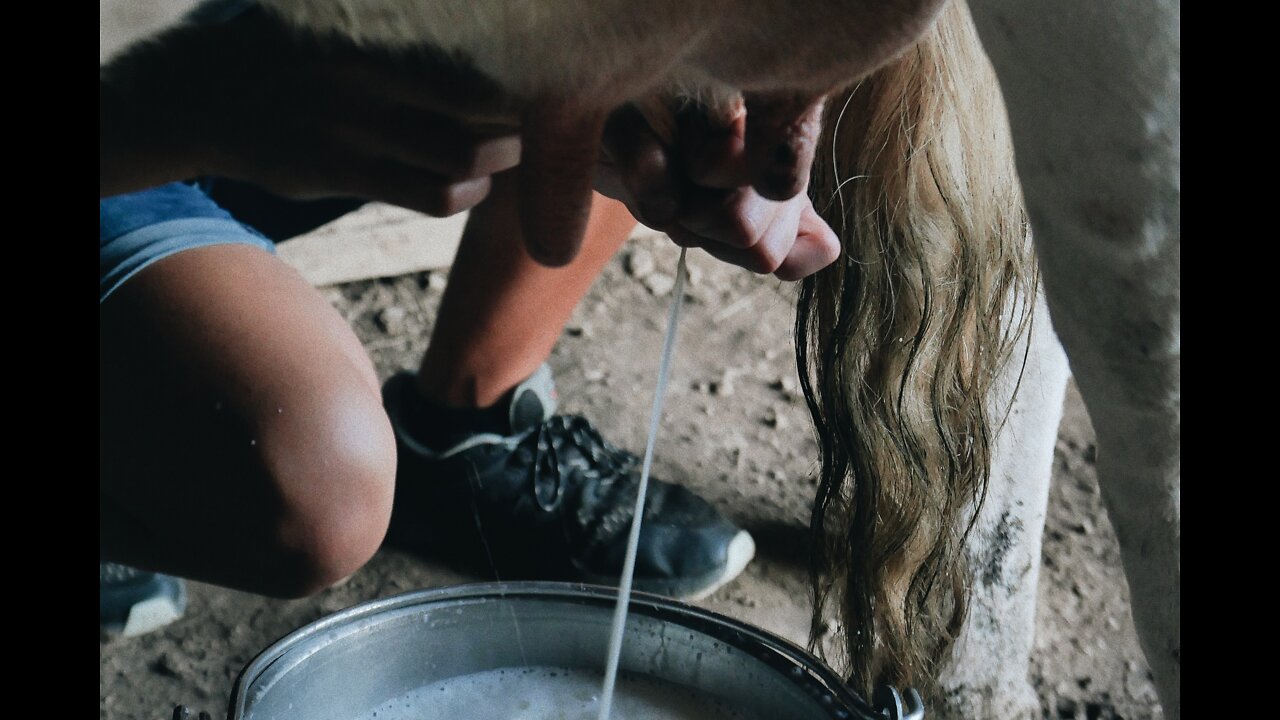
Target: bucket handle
column 891, row 703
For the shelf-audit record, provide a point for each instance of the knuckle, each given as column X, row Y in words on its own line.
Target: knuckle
column 768, row 265
column 738, row 222
column 740, row 232
column 444, row 200
column 764, row 261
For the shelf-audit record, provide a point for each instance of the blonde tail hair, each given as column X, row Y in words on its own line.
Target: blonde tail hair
column 899, row 342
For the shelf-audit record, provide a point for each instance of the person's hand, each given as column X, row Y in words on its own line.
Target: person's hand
column 733, row 187
column 251, row 100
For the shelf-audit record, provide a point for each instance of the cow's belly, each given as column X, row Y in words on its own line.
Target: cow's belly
column 616, row 50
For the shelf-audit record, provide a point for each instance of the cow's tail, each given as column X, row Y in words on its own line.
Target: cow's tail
column 899, row 343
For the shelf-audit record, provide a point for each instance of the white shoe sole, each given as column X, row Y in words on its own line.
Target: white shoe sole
column 741, row 550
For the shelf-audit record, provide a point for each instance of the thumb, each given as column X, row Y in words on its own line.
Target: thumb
column 561, row 147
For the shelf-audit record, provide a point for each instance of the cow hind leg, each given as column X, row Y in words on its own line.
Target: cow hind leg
column 1093, row 99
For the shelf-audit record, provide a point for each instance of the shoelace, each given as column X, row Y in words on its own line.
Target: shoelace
column 605, row 462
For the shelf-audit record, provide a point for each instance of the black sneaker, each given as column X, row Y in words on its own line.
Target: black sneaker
column 552, row 500
column 135, row 601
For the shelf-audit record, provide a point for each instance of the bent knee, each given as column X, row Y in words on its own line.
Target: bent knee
column 333, row 472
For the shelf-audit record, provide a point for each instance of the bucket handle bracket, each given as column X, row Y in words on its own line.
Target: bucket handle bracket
column 892, row 705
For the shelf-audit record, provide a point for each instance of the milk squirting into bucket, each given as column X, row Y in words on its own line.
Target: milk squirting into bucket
column 633, row 540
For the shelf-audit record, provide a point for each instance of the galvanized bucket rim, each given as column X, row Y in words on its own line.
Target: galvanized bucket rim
column 783, row 652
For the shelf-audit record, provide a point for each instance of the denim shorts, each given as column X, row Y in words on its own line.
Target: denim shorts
column 138, row 229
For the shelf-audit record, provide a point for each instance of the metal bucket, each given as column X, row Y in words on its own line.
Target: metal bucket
column 346, row 664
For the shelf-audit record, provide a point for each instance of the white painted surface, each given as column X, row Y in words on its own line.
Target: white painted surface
column 374, row 241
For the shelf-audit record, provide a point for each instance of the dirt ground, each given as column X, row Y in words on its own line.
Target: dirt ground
column 735, row 430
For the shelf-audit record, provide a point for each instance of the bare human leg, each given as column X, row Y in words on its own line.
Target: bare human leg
column 503, row 312
column 242, row 439
column 489, row 476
